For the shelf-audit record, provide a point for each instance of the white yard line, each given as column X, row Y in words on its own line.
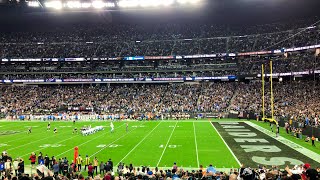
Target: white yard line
column 138, row 144
column 293, row 145
column 85, row 142
column 32, row 142
column 114, row 141
column 234, row 156
column 195, row 142
column 24, row 130
column 32, row 134
column 48, row 147
column 167, row 144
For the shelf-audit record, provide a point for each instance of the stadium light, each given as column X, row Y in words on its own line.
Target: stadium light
column 53, row 4
column 182, row 1
column 85, row 5
column 110, row 4
column 73, row 4
column 98, row 4
column 188, row 1
column 167, row 2
column 146, row 3
column 194, row 1
column 129, row 3
column 33, row 4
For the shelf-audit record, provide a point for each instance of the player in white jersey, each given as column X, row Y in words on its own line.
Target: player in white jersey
column 112, row 127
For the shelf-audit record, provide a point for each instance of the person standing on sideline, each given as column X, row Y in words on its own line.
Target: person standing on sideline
column 312, row 140
column 47, row 161
column 95, row 165
column 15, row 166
column 56, row 169
column 21, row 167
column 8, row 167
column 79, row 162
column 278, row 130
column 271, row 126
column 101, row 168
column 111, row 164
column 87, row 162
column 90, row 170
column 32, row 159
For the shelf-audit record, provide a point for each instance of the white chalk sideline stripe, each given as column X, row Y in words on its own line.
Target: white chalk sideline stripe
column 226, row 145
column 287, row 142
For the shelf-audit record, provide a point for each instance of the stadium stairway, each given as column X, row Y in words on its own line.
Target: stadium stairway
column 235, row 94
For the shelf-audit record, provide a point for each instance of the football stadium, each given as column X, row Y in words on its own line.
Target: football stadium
column 159, row 89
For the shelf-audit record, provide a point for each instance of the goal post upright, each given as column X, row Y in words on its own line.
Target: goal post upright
column 262, row 78
column 271, row 91
column 272, row 119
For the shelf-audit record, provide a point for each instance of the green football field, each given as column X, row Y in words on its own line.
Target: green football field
column 154, row 143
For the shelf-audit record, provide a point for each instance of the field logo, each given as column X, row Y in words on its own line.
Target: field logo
column 8, row 132
column 110, row 146
column 3, row 145
column 172, row 146
column 51, row 145
column 137, row 126
column 254, row 148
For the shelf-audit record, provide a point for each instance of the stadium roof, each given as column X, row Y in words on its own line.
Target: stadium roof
column 228, row 12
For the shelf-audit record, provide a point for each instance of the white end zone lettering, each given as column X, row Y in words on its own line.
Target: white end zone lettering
column 277, row 161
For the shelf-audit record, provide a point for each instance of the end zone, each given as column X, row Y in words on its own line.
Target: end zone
column 253, row 147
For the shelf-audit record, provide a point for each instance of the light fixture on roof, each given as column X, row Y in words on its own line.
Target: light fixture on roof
column 53, row 4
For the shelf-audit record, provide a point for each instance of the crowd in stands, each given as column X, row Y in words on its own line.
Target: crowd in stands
column 118, row 99
column 297, row 100
column 157, row 40
column 292, row 62
column 50, row 168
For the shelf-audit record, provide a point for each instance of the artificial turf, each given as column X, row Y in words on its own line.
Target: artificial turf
column 153, row 144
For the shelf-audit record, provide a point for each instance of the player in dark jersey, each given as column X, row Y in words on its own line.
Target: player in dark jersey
column 75, row 130
column 29, row 130
column 271, row 125
column 127, row 125
column 74, row 121
column 55, row 130
column 48, row 126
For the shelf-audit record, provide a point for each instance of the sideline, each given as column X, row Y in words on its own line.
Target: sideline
column 287, row 142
